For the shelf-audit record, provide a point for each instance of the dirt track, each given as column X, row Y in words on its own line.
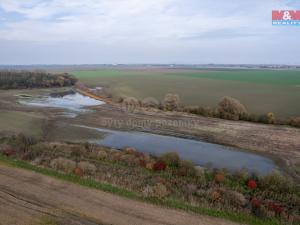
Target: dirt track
column 28, row 198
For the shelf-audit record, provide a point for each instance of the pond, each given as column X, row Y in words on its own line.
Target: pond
column 72, row 102
column 201, row 153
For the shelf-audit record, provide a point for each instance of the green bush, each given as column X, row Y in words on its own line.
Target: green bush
column 171, row 159
column 186, row 168
column 276, row 183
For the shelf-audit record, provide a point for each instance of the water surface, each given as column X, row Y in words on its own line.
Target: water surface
column 74, row 102
column 199, row 152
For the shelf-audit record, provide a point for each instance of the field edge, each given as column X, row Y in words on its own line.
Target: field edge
column 169, row 203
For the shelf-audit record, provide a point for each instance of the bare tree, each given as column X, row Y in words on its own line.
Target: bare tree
column 12, row 79
column 231, row 108
column 171, row 102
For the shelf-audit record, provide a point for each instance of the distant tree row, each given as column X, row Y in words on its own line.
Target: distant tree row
column 231, row 109
column 12, row 79
column 228, row 108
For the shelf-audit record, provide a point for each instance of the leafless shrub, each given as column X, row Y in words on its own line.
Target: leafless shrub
column 87, row 168
column 78, row 152
column 106, row 92
column 230, row 108
column 171, row 102
column 130, row 150
column 130, row 104
column 150, row 102
column 295, row 121
column 63, row 164
column 235, row 198
column 25, row 141
column 102, row 154
column 159, row 191
column 130, row 160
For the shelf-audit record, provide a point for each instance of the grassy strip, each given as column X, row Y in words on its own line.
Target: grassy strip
column 171, row 203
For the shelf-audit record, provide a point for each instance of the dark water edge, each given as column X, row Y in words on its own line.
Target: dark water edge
column 199, row 152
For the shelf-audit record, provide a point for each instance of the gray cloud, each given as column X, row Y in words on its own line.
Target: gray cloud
column 154, row 31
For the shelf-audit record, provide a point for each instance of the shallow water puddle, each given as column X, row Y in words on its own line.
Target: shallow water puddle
column 71, row 102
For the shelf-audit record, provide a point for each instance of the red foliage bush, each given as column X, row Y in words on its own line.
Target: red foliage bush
column 220, row 178
column 78, row 172
column 143, row 163
column 9, row 152
column 159, row 166
column 255, row 203
column 139, row 154
column 252, row 184
column 276, row 208
column 25, row 156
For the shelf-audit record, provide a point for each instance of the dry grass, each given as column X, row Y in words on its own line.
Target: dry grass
column 121, row 169
column 63, row 164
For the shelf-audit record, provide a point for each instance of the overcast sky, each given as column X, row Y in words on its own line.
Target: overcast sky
column 145, row 31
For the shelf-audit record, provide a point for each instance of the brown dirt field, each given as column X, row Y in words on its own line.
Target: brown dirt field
column 29, row 198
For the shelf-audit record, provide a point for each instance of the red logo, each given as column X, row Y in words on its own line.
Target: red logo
column 286, row 15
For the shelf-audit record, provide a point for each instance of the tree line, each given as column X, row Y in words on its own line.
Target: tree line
column 13, row 79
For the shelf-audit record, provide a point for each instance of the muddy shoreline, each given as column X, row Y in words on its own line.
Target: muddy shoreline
column 280, row 143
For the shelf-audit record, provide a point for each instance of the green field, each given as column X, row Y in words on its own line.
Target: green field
column 261, row 91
